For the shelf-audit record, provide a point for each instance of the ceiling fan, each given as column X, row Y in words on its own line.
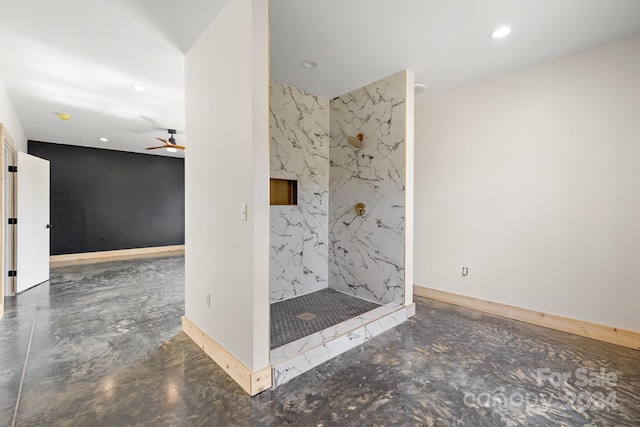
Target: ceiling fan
column 170, row 145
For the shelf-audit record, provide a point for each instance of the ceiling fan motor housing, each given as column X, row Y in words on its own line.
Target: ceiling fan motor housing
column 172, row 132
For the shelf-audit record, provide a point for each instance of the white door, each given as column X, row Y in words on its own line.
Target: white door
column 32, row 207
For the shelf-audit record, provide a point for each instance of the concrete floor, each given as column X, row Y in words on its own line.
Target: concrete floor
column 105, row 349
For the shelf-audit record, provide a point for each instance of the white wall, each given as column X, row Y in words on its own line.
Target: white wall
column 10, row 119
column 227, row 83
column 409, row 192
column 532, row 181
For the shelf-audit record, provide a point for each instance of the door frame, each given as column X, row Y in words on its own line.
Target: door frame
column 5, row 137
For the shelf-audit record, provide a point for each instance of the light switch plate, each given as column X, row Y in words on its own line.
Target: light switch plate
column 243, row 211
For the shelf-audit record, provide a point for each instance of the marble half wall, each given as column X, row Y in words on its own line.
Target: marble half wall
column 366, row 253
column 299, row 150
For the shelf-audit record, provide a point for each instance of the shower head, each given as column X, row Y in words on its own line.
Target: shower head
column 356, row 141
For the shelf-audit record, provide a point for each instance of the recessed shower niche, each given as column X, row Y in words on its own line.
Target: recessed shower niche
column 337, row 269
column 283, row 191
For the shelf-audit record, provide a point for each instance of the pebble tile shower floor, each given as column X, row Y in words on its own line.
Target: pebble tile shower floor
column 323, row 309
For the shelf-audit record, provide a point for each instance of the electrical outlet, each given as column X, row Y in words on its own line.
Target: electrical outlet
column 208, row 299
column 465, row 271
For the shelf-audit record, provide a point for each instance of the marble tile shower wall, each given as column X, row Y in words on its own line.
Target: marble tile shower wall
column 366, row 253
column 299, row 150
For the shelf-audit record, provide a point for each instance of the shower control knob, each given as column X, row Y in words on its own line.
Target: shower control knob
column 360, row 209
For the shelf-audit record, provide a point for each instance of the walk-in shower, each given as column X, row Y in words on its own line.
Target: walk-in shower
column 337, row 250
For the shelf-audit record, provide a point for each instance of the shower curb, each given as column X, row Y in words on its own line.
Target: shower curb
column 298, row 357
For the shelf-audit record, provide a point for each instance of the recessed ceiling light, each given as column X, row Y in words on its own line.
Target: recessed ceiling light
column 64, row 116
column 172, row 150
column 309, row 63
column 500, row 32
column 419, row 88
column 139, row 88
column 103, row 139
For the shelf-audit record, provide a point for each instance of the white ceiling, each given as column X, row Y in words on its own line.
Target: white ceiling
column 445, row 43
column 82, row 56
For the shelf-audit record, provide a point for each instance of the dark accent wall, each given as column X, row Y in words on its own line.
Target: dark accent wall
column 107, row 200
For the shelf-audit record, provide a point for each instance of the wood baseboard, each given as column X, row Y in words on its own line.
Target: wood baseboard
column 595, row 331
column 104, row 256
column 251, row 382
column 411, row 310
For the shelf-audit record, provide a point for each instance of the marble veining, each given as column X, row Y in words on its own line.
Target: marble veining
column 302, row 345
column 366, row 253
column 305, row 315
column 306, row 359
column 299, row 149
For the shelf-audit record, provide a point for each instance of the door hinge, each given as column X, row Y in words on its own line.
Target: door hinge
column 13, row 169
column 13, row 220
column 13, row 273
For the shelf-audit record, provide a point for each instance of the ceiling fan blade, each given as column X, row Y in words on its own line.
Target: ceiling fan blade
column 168, row 144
